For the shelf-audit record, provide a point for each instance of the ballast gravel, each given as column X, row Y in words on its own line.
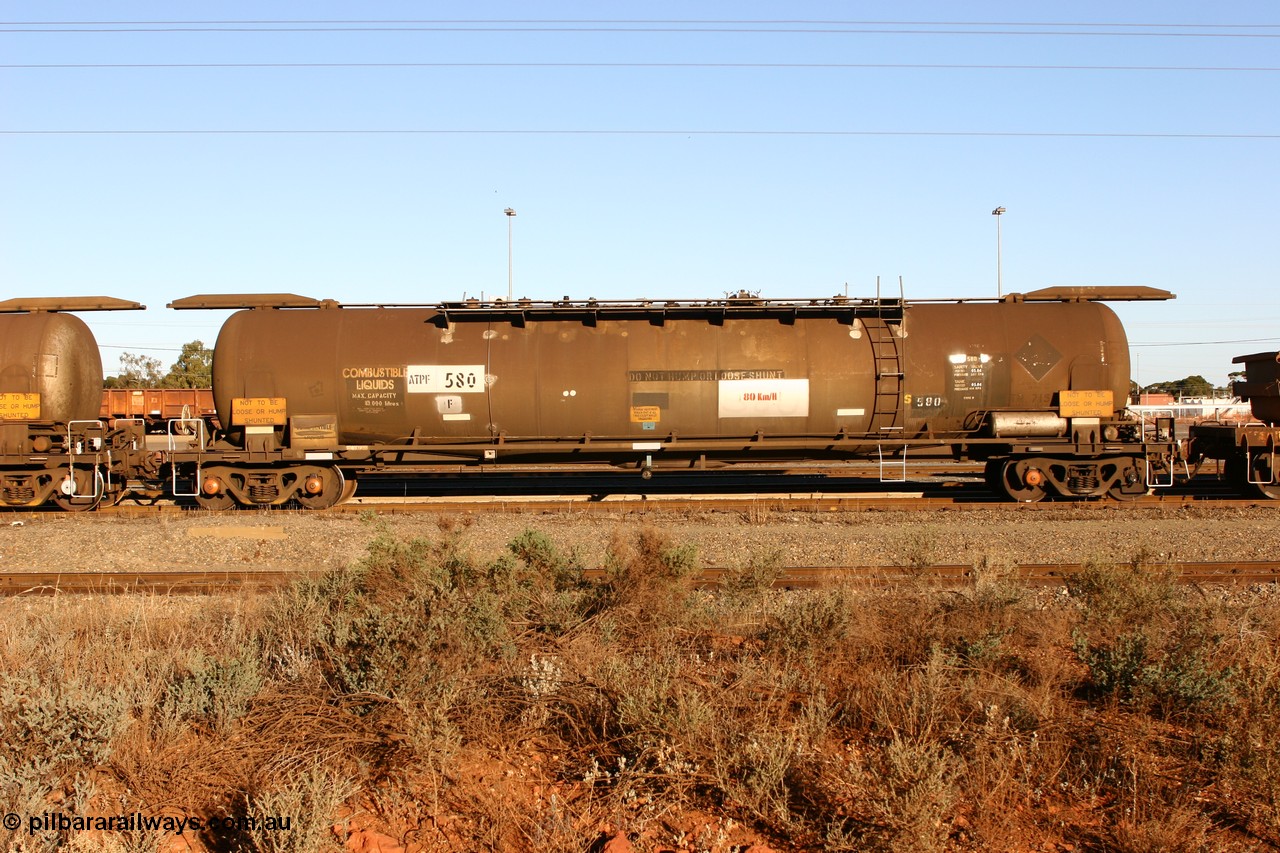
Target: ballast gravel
column 296, row 540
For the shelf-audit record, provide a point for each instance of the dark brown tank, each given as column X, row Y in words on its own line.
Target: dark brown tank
column 52, row 355
column 646, row 370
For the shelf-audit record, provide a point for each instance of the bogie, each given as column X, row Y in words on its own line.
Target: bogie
column 221, row 487
column 1031, row 479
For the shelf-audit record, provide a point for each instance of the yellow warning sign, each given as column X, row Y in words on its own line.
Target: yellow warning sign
column 1086, row 404
column 258, row 411
column 646, row 414
column 19, row 407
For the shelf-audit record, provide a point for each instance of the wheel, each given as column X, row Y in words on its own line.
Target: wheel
column 79, row 490
column 1022, row 480
column 1270, row 491
column 114, row 498
column 212, row 492
column 348, row 491
column 1260, row 470
column 1131, row 485
column 1121, row 492
column 216, row 503
column 321, row 488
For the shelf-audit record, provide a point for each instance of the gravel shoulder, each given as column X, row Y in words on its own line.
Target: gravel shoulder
column 310, row 541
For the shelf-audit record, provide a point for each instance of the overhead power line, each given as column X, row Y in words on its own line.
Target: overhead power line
column 1205, row 343
column 633, row 132
column 658, row 26
column 799, row 65
column 651, row 21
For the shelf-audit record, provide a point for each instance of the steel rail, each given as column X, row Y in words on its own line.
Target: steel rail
column 1225, row 572
column 742, row 503
column 658, row 503
column 189, row 582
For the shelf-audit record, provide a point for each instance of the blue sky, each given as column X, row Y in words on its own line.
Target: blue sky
column 372, row 161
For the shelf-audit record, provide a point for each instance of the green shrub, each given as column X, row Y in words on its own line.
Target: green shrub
column 1176, row 678
column 1150, row 643
column 212, row 690
column 1134, row 592
column 48, row 726
column 812, row 621
column 756, row 577
column 307, row 800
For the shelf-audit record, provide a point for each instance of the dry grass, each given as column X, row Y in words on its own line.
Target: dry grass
column 515, row 706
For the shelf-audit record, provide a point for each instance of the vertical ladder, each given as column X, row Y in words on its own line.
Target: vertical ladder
column 886, row 412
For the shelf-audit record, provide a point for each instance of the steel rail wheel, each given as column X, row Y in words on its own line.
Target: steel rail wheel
column 1130, row 483
column 321, row 488
column 1262, row 477
column 212, row 493
column 80, row 489
column 1023, row 480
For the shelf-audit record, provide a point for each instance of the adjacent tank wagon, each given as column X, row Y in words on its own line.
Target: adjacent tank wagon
column 52, row 444
column 314, row 394
column 1251, row 453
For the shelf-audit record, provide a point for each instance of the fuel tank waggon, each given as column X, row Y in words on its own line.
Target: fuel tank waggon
column 740, row 367
column 314, row 395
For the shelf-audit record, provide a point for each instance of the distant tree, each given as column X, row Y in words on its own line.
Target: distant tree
column 1192, row 386
column 1232, row 378
column 193, row 369
column 1197, row 386
column 136, row 371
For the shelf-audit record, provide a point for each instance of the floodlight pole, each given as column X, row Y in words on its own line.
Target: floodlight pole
column 997, row 213
column 511, row 214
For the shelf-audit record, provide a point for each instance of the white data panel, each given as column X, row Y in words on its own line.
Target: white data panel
column 445, row 378
column 764, row 398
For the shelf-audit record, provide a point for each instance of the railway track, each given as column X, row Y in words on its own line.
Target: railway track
column 930, row 487
column 222, row 581
column 955, row 487
column 784, row 502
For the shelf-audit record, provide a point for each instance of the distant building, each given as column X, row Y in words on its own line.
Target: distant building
column 1192, row 408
